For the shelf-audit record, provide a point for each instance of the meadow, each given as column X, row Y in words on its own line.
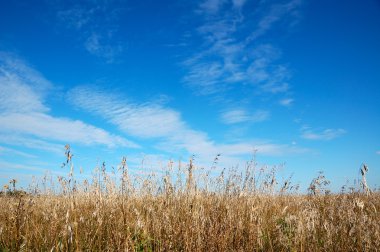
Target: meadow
column 187, row 209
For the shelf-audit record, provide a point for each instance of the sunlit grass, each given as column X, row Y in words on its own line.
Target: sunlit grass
column 188, row 210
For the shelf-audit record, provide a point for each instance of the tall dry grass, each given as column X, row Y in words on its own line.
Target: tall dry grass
column 188, row 210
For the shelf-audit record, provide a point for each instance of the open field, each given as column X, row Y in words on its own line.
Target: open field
column 231, row 212
column 201, row 222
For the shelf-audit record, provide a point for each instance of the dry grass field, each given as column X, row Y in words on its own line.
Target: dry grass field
column 188, row 211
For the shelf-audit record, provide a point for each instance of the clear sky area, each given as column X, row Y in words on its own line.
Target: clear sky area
column 297, row 82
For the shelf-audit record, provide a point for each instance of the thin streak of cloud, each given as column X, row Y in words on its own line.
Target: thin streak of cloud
column 211, row 6
column 31, row 142
column 17, row 167
column 275, row 14
column 8, row 166
column 238, row 3
column 241, row 115
column 287, row 102
column 10, row 151
column 326, row 135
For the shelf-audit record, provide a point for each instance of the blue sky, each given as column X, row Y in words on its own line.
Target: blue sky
column 296, row 80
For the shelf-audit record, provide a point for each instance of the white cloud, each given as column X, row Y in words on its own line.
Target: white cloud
column 235, row 116
column 16, row 166
column 327, row 134
column 163, row 124
column 10, row 151
column 75, row 17
column 23, row 112
column 286, row 102
column 95, row 21
column 275, row 14
column 231, row 56
column 241, row 115
column 141, row 120
column 211, row 6
column 146, row 121
column 262, row 148
column 238, row 3
column 59, row 129
column 11, row 65
column 100, row 46
column 264, row 73
column 17, row 92
column 16, row 96
column 31, row 143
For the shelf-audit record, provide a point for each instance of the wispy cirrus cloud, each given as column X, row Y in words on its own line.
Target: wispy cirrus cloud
column 24, row 113
column 241, row 115
column 146, row 120
column 286, row 102
column 274, row 14
column 165, row 125
column 238, row 3
column 25, row 171
column 12, row 167
column 10, row 151
column 22, row 88
column 96, row 24
column 231, row 53
column 59, row 129
column 211, row 6
column 76, row 17
column 98, row 45
column 31, row 142
column 326, row 135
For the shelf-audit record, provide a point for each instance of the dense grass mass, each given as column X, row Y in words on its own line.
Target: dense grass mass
column 190, row 223
column 231, row 212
